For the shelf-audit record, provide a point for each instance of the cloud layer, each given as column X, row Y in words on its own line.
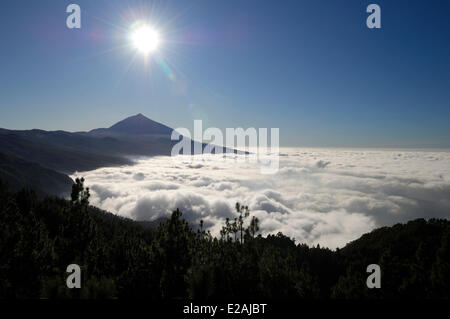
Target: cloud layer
column 319, row 196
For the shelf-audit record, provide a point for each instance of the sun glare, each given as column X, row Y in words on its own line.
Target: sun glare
column 145, row 39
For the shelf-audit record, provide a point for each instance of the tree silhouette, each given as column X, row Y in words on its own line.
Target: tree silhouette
column 80, row 195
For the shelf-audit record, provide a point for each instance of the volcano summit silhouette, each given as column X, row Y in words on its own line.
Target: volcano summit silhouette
column 136, row 125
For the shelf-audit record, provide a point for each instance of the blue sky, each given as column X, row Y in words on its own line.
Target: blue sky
column 311, row 68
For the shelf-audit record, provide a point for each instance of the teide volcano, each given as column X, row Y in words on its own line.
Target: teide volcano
column 135, row 125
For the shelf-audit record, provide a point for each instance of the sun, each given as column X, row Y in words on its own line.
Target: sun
column 145, row 39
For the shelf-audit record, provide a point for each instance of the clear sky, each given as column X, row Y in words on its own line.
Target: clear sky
column 311, row 68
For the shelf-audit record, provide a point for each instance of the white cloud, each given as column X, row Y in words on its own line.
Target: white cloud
column 325, row 196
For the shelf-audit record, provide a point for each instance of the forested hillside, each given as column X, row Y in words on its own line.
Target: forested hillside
column 120, row 258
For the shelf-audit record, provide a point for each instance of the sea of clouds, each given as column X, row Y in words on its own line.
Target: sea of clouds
column 318, row 196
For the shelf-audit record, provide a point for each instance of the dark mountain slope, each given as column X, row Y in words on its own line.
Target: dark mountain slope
column 58, row 158
column 414, row 259
column 18, row 173
column 68, row 140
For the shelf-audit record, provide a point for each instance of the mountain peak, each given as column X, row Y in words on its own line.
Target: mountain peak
column 139, row 124
column 136, row 117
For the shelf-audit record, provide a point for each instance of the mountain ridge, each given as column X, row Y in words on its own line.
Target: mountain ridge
column 39, row 159
column 68, row 152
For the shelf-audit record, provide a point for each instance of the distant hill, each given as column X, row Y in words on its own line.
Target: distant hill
column 18, row 173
